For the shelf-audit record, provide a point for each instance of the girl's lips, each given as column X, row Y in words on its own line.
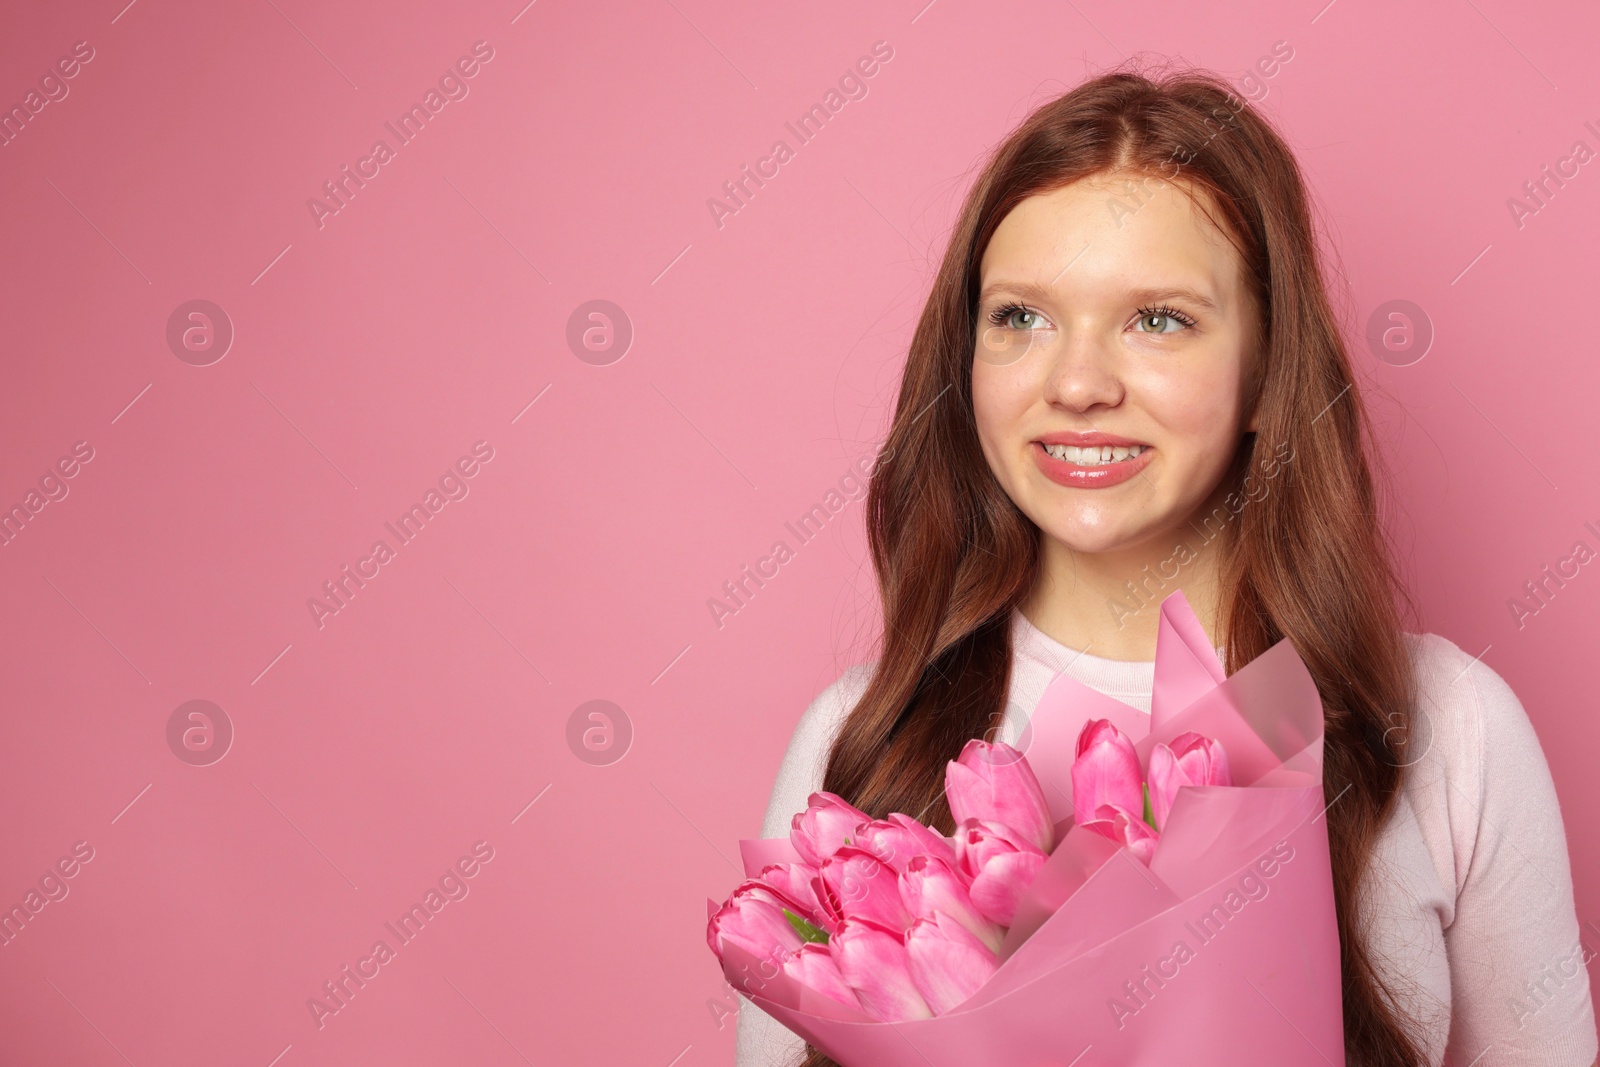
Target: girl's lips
column 1099, row 476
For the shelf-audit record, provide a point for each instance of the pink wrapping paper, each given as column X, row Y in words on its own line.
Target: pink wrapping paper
column 1224, row 951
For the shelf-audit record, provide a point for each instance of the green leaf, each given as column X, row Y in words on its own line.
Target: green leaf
column 806, row 931
column 1149, row 812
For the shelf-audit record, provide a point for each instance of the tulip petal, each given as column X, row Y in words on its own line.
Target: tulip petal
column 929, row 885
column 1105, row 771
column 828, row 823
column 899, row 839
column 813, row 966
column 1191, row 759
column 1000, row 884
column 978, row 841
column 1126, row 829
column 792, row 882
column 947, row 962
column 874, row 962
column 992, row 782
column 855, row 884
column 1165, row 779
column 753, row 919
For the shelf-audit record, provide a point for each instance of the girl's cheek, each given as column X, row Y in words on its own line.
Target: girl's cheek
column 1189, row 401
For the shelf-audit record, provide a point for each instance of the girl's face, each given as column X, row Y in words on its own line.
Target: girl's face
column 1115, row 317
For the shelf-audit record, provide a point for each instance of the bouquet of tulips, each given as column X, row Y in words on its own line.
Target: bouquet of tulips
column 891, row 917
column 1130, row 889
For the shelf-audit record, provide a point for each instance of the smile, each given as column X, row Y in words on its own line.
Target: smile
column 1094, row 455
column 1091, row 466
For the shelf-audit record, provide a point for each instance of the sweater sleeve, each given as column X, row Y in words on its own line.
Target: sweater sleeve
column 760, row 1040
column 1518, row 975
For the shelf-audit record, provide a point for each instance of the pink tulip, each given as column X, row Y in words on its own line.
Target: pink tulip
column 978, row 842
column 1106, row 771
column 813, row 966
column 1126, row 829
column 828, row 822
column 948, row 964
column 1191, row 760
column 999, row 863
column 929, row 885
column 753, row 919
column 998, row 890
column 899, row 839
column 875, row 964
column 792, row 882
column 993, row 782
column 854, row 884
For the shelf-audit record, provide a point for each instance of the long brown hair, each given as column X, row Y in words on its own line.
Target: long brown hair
column 954, row 555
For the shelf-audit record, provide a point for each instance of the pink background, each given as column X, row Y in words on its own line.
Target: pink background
column 372, row 752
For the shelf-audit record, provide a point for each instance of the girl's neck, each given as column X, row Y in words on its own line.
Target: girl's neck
column 1111, row 606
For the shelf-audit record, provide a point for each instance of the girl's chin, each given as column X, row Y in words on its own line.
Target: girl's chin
column 1102, row 534
column 1096, row 542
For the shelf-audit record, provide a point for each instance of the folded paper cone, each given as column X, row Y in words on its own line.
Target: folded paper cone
column 1224, row 950
column 1243, row 971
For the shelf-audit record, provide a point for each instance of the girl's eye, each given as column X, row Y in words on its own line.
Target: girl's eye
column 1162, row 320
column 1015, row 317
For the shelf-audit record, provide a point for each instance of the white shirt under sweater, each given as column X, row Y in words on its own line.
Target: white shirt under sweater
column 1472, row 917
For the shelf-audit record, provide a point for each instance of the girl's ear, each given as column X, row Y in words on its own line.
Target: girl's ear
column 1254, row 367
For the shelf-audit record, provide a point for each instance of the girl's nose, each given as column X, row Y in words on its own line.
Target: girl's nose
column 1082, row 371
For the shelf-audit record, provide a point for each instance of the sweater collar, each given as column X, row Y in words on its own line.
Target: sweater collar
column 1038, row 658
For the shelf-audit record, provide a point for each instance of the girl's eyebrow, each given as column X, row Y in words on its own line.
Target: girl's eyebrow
column 1042, row 293
column 1026, row 290
column 1192, row 296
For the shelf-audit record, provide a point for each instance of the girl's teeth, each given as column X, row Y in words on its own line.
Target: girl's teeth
column 1094, row 455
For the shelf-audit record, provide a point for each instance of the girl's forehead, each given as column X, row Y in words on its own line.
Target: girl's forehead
column 1109, row 230
column 1111, row 208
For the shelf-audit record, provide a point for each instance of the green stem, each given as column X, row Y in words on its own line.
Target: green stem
column 806, row 931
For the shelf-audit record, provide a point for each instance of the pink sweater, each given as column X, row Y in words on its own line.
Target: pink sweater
column 1471, row 916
